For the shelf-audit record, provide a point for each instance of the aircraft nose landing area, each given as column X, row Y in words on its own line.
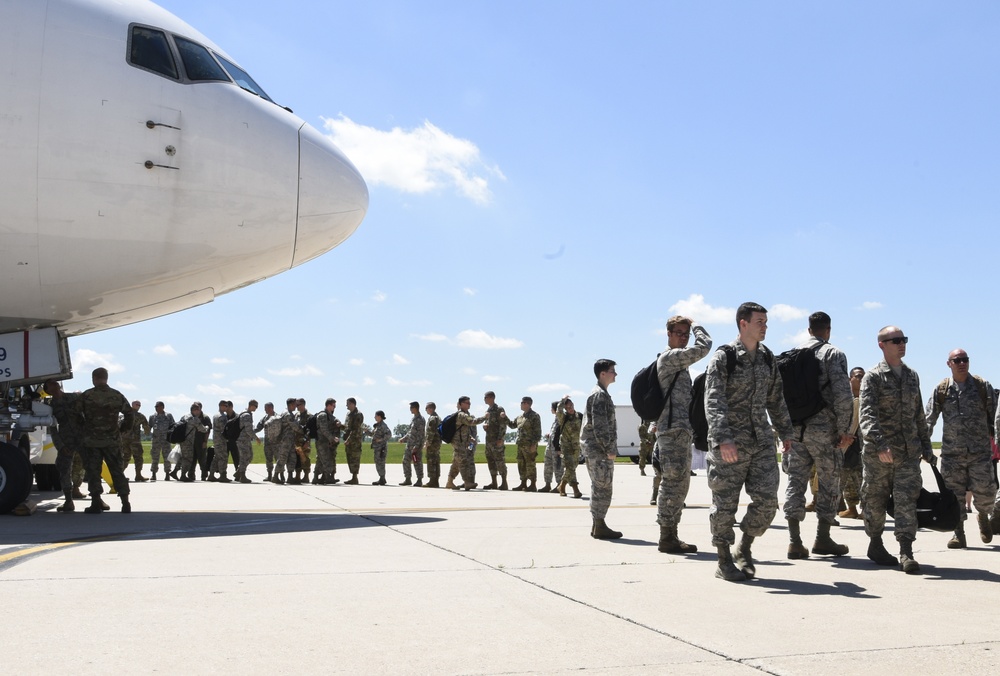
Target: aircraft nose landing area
column 362, row 579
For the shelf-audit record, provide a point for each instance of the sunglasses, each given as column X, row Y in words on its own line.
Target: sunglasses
column 897, row 341
column 960, row 360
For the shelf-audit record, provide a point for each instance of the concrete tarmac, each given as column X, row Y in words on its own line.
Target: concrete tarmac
column 209, row 578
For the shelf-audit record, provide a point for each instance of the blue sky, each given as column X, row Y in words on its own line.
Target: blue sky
column 551, row 181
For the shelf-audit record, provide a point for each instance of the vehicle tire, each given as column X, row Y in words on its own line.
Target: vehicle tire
column 15, row 477
column 46, row 477
column 634, row 459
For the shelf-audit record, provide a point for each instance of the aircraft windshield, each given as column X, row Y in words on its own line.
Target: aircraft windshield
column 198, row 62
column 241, row 78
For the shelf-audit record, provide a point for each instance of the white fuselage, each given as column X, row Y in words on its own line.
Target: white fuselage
column 126, row 194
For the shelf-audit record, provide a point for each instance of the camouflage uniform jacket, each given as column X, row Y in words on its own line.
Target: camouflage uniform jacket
column 194, row 424
column 414, row 437
column 737, row 406
column 354, row 427
column 569, row 437
column 218, row 426
column 328, row 428
column 271, row 424
column 555, row 443
column 159, row 423
column 495, row 428
column 835, row 388
column 599, row 434
column 286, row 432
column 966, row 423
column 433, row 436
column 100, row 406
column 380, row 436
column 529, row 428
column 646, row 438
column 139, row 423
column 69, row 431
column 246, row 426
column 465, row 423
column 675, row 362
column 892, row 413
column 301, row 433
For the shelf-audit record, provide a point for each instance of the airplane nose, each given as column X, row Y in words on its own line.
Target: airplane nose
column 333, row 197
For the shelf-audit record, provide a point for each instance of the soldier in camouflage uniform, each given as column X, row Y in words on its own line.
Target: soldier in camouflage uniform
column 303, row 445
column 270, row 424
column 895, row 438
column 286, row 444
column 354, row 430
column 245, row 442
column 380, row 446
column 100, row 406
column 220, row 459
column 645, row 446
column 495, row 430
column 850, row 474
column 818, row 445
column 599, row 444
column 432, row 446
column 463, row 460
column 132, row 441
column 553, row 455
column 673, row 428
column 570, row 421
column 529, row 433
column 414, row 438
column 67, row 437
column 159, row 425
column 194, row 428
column 967, row 405
column 741, row 443
column 327, row 439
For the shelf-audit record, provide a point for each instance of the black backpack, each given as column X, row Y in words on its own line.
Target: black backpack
column 231, row 432
column 448, row 427
column 311, row 430
column 554, row 440
column 696, row 412
column 648, row 398
column 177, row 432
column 935, row 511
column 800, row 374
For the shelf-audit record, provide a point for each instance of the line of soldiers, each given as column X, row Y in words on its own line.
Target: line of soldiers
column 745, row 408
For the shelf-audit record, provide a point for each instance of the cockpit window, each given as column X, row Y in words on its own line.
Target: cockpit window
column 198, row 62
column 149, row 49
column 241, row 78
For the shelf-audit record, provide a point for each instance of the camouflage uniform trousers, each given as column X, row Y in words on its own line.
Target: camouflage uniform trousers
column 66, row 460
column 850, row 484
column 756, row 469
column 303, row 448
column 353, row 451
column 270, row 454
column 645, row 455
column 220, row 460
column 93, row 457
column 964, row 471
column 462, row 463
column 571, row 458
column 553, row 464
column 496, row 458
column 132, row 450
column 409, row 464
column 901, row 479
column 527, row 455
column 326, row 459
column 380, row 454
column 246, row 453
column 159, row 446
column 187, row 456
column 675, row 475
column 286, row 457
column 602, row 477
column 433, row 456
column 816, row 451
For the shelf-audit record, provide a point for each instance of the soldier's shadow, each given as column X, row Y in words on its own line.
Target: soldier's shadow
column 799, row 588
column 963, row 574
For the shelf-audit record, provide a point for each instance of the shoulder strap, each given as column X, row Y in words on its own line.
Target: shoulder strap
column 940, row 394
column 670, row 416
column 730, row 358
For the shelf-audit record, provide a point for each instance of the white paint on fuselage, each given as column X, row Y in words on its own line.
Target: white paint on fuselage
column 90, row 238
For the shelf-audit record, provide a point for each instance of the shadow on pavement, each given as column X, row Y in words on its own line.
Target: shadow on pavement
column 798, row 588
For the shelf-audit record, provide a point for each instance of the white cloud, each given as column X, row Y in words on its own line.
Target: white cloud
column 379, row 297
column 221, row 360
column 218, row 376
column 469, row 292
column 293, row 372
column 251, row 383
column 495, row 379
column 128, row 387
column 87, row 360
column 393, row 381
column 356, row 361
column 412, row 383
column 368, row 381
column 432, row 337
column 214, row 390
column 549, row 387
column 870, row 305
column 165, row 350
column 400, row 360
column 482, row 340
column 178, row 404
column 786, row 313
column 469, row 371
column 697, row 309
column 796, row 339
column 417, row 160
